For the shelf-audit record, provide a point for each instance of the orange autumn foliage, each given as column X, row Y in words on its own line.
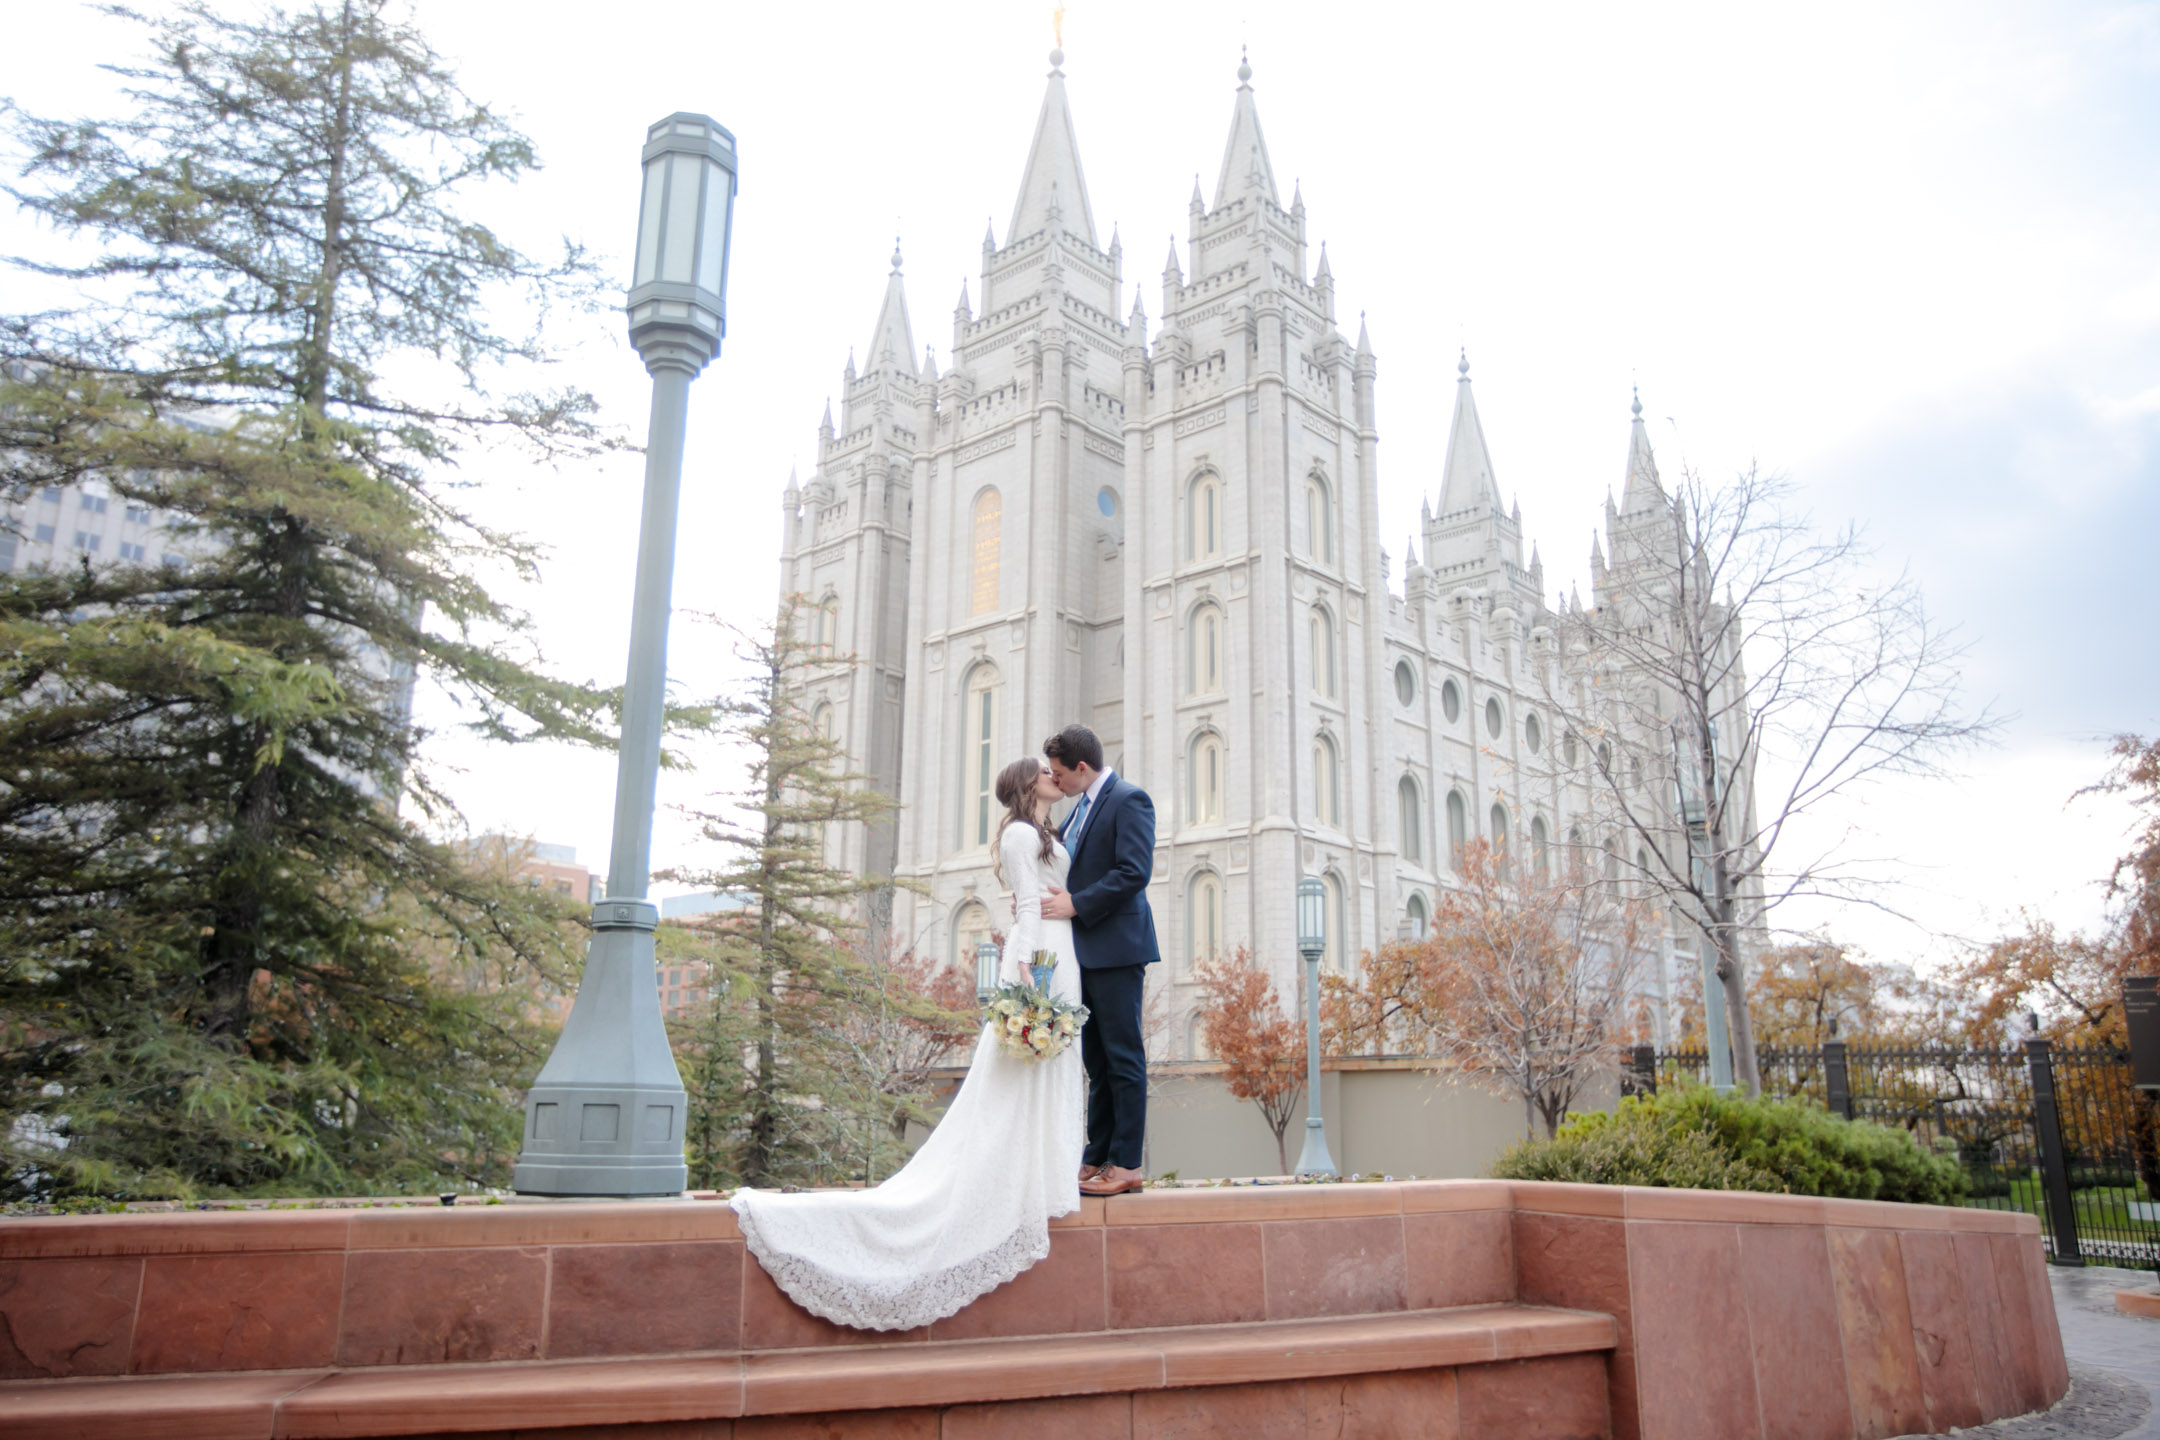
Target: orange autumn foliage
column 1524, row 983
column 1262, row 1049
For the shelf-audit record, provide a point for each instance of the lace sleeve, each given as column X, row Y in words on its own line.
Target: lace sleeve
column 1019, row 848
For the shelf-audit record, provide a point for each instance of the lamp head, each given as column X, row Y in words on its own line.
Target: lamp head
column 678, row 286
column 986, row 967
column 1312, row 915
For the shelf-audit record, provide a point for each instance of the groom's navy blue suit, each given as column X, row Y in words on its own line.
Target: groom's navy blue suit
column 1113, row 856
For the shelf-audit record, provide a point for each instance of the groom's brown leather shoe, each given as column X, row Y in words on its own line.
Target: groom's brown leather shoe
column 1089, row 1172
column 1113, row 1180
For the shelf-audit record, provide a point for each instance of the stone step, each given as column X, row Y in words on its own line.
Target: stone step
column 1183, row 1367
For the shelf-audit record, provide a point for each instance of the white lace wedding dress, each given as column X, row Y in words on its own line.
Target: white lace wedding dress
column 972, row 1208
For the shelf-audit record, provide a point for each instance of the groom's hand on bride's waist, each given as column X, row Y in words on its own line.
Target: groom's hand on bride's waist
column 1057, row 905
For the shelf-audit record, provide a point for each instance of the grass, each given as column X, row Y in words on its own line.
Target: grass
column 2103, row 1211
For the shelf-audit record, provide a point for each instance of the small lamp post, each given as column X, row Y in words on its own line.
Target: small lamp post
column 606, row 1115
column 986, row 968
column 1311, row 941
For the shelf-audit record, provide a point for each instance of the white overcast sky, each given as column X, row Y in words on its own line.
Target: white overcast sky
column 1907, row 254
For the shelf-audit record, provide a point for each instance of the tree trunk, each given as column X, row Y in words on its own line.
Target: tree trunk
column 315, row 363
column 1739, row 1029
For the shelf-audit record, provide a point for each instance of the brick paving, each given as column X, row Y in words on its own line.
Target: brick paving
column 2114, row 1364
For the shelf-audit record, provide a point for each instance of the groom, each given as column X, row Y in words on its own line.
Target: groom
column 1110, row 835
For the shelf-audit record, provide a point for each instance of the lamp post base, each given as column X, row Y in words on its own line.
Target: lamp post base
column 606, row 1117
column 1314, row 1158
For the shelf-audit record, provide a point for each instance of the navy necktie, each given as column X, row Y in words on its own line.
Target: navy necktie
column 1079, row 818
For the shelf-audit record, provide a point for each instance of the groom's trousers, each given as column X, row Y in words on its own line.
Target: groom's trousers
column 1116, row 1059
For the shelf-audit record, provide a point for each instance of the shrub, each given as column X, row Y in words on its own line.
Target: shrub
column 1792, row 1145
column 1634, row 1147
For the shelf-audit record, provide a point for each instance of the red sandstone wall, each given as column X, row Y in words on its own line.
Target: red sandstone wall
column 1738, row 1315
column 1785, row 1316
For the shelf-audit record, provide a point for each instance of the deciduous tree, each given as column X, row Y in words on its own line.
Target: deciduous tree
column 1262, row 1049
column 1749, row 671
column 1523, row 983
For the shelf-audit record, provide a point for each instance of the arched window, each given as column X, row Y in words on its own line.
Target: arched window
column 1533, row 734
column 1612, row 863
column 1337, row 942
column 1541, row 846
column 1458, row 827
column 978, row 761
column 1319, row 521
column 1204, row 652
column 1495, row 722
column 989, row 537
column 1196, row 1039
column 1499, row 831
column 1204, row 517
column 1415, row 918
column 1451, row 701
column 1327, row 792
column 971, row 926
column 1203, row 918
column 1204, row 788
column 1323, row 652
column 1413, row 820
column 1642, row 869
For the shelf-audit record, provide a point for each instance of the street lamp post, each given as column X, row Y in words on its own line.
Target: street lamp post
column 1311, row 940
column 606, row 1115
column 986, row 969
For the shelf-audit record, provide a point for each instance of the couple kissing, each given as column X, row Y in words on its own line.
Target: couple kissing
column 971, row 1208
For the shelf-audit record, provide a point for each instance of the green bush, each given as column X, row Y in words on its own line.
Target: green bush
column 1689, row 1136
column 1634, row 1147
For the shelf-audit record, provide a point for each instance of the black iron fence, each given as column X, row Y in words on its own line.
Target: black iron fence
column 2056, row 1130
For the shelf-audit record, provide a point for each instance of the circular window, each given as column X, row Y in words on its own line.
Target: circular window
column 1533, row 733
column 1450, row 700
column 1495, row 722
column 1405, row 682
column 1106, row 501
column 1570, row 749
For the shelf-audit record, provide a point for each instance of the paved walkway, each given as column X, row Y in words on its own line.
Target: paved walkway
column 2114, row 1364
column 2096, row 1334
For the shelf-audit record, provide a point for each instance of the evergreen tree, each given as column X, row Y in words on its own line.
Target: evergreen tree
column 225, row 929
column 805, row 1067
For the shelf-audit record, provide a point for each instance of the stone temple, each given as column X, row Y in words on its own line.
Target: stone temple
column 1167, row 528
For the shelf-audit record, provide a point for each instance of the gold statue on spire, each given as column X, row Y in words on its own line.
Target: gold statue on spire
column 1057, row 25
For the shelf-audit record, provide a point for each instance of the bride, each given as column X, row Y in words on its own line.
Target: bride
column 972, row 1209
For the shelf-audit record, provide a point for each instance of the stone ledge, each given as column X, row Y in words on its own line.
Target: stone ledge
column 342, row 1405
column 2142, row 1303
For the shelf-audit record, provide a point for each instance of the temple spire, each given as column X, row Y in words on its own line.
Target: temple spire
column 1245, row 164
column 1052, row 178
column 1466, row 477
column 892, row 342
column 1642, row 490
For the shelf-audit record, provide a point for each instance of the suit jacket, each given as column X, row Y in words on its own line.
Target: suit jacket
column 1111, row 865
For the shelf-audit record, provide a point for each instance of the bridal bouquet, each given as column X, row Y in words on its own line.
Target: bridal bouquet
column 1029, row 1022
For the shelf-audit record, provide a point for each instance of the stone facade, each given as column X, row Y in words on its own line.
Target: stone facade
column 1173, row 537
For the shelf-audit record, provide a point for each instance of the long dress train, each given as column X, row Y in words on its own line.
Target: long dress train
column 972, row 1208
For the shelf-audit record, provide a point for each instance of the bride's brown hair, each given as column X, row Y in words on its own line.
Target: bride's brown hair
column 1016, row 792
